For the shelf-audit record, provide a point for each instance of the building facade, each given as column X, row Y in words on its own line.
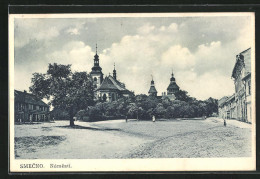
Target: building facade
column 108, row 89
column 29, row 108
column 242, row 79
column 227, row 107
column 239, row 105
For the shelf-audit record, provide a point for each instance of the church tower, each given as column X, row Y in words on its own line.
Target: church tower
column 152, row 91
column 114, row 72
column 173, row 87
column 96, row 72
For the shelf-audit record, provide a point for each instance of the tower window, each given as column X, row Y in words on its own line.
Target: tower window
column 104, row 97
column 95, row 79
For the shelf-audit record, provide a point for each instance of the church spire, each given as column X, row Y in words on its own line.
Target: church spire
column 152, row 82
column 114, row 72
column 152, row 91
column 96, row 59
column 172, row 78
column 173, row 87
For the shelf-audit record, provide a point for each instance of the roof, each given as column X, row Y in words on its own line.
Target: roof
column 152, row 90
column 243, row 58
column 28, row 98
column 110, row 83
column 226, row 100
column 222, row 100
column 247, row 60
column 173, row 85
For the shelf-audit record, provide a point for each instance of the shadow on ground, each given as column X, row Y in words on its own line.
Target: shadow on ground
column 89, row 128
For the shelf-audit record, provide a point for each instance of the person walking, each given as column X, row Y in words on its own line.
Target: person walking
column 225, row 124
column 126, row 118
column 153, row 118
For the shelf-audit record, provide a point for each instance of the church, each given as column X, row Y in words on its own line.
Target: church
column 109, row 88
column 172, row 89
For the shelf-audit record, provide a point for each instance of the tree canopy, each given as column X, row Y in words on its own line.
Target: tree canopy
column 66, row 90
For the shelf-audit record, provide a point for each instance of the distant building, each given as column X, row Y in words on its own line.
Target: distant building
column 152, row 91
column 239, row 105
column 227, row 107
column 108, row 89
column 242, row 80
column 172, row 89
column 29, row 108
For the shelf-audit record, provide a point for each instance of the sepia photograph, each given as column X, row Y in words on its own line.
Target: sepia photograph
column 132, row 92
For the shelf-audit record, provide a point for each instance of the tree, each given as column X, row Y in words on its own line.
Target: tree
column 132, row 110
column 183, row 96
column 65, row 90
column 212, row 106
column 159, row 110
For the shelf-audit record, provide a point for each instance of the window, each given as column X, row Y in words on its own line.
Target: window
column 34, row 107
column 113, row 97
column 249, row 87
column 104, row 97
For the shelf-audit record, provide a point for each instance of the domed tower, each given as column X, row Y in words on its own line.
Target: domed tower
column 96, row 72
column 173, row 87
column 152, row 91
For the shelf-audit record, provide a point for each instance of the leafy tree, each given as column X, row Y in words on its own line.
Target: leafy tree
column 159, row 110
column 65, row 90
column 170, row 112
column 132, row 110
column 212, row 106
column 183, row 96
column 59, row 114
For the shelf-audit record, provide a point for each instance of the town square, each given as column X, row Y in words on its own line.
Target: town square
column 158, row 86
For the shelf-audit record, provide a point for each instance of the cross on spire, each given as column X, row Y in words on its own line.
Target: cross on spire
column 96, row 48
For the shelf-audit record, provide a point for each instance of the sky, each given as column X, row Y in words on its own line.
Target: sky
column 201, row 51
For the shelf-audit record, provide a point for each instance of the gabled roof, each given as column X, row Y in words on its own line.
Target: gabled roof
column 111, row 83
column 29, row 98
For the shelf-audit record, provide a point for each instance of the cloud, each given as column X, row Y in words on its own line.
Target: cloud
column 179, row 57
column 145, row 29
column 201, row 51
column 210, row 84
column 173, row 27
column 73, row 31
column 76, row 53
column 25, row 32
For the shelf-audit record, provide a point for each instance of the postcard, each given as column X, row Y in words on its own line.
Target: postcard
column 127, row 92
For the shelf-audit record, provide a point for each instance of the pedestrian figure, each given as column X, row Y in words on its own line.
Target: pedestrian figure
column 153, row 118
column 225, row 124
column 126, row 118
